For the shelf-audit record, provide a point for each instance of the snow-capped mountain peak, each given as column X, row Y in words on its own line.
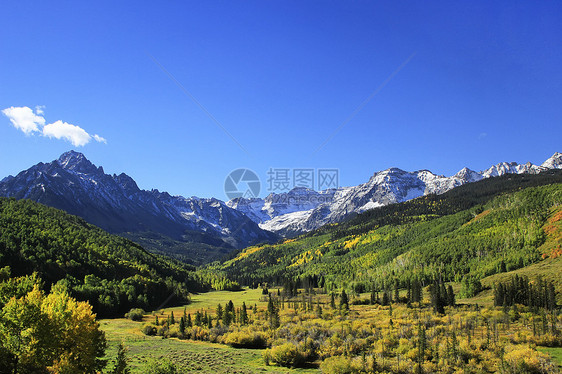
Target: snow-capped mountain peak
column 116, row 204
column 77, row 162
column 392, row 185
column 468, row 175
column 554, row 162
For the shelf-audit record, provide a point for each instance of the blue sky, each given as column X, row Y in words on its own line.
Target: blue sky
column 457, row 84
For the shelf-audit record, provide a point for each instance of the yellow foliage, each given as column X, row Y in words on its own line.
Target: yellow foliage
column 54, row 333
column 248, row 251
column 350, row 244
column 526, row 359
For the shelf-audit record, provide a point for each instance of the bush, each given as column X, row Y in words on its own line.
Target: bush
column 284, row 355
column 165, row 367
column 246, row 339
column 358, row 301
column 339, row 365
column 527, row 360
column 135, row 314
column 149, row 330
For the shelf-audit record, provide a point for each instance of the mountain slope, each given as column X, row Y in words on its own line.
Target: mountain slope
column 477, row 229
column 305, row 210
column 113, row 273
column 116, row 204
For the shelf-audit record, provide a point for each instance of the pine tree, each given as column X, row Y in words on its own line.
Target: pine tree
column 182, row 325
column 422, row 346
column 437, row 299
column 318, row 310
column 450, row 296
column 454, row 345
column 344, row 301
column 121, row 361
column 229, row 313
column 385, row 298
column 219, row 312
column 244, row 314
column 273, row 314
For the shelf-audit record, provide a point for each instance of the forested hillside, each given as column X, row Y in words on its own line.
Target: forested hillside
column 473, row 231
column 112, row 273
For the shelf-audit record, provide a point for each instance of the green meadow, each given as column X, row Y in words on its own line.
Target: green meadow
column 190, row 355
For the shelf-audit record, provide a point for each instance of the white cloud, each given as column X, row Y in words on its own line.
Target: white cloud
column 62, row 130
column 25, row 120
column 99, row 139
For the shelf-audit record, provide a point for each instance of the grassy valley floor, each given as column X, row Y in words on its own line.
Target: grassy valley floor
column 190, row 355
column 205, row 357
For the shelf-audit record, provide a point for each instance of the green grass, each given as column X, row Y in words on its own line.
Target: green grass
column 549, row 269
column 208, row 301
column 555, row 353
column 189, row 355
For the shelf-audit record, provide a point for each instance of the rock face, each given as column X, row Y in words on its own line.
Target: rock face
column 116, row 204
column 384, row 187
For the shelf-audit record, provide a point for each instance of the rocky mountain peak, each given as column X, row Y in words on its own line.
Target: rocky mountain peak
column 554, row 162
column 126, row 182
column 76, row 161
column 384, row 187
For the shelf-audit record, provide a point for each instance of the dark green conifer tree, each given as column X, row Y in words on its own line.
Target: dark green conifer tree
column 244, row 315
column 182, row 325
column 344, row 301
column 121, row 363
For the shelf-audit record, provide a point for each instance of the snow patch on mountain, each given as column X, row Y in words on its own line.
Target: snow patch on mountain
column 554, row 162
column 384, row 187
column 115, row 202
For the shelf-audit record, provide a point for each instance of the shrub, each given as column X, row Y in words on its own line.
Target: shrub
column 165, row 367
column 246, row 339
column 526, row 360
column 284, row 355
column 339, row 365
column 135, row 314
column 149, row 330
column 163, row 331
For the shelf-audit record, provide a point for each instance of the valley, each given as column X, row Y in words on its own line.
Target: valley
column 284, row 187
column 334, row 331
column 465, row 280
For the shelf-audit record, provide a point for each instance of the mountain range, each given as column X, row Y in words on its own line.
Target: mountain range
column 211, row 227
column 116, row 204
column 476, row 230
column 301, row 210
